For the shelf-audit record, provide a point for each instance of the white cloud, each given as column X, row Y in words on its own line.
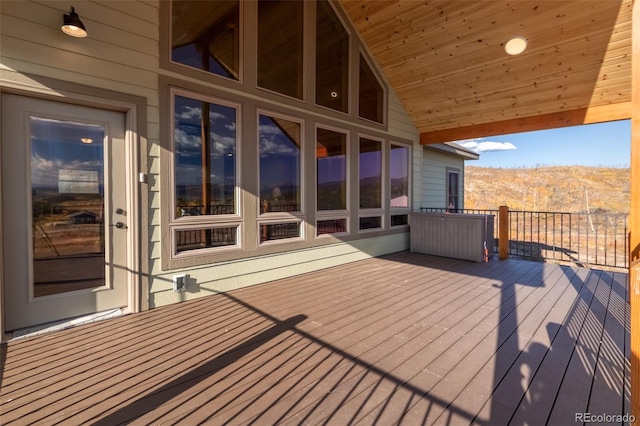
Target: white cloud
column 479, row 146
column 45, row 171
column 189, row 113
column 270, row 146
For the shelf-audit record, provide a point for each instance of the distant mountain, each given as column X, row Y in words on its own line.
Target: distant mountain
column 551, row 188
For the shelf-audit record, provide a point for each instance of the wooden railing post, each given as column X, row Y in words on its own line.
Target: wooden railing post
column 503, row 232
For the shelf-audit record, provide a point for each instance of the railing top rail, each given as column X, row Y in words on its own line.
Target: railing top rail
column 571, row 213
column 444, row 209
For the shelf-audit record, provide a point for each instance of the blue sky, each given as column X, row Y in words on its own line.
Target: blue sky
column 604, row 144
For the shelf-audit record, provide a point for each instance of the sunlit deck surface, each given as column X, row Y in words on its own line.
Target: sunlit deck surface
column 405, row 338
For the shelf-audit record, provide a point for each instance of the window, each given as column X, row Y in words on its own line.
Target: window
column 196, row 239
column 453, row 190
column 279, row 144
column 331, row 226
column 370, row 94
column 370, row 170
column 205, row 157
column 205, row 183
column 399, row 184
column 399, row 174
column 370, row 185
column 332, row 182
column 331, row 158
column 370, row 222
column 399, row 220
column 206, row 35
column 279, row 231
column 332, row 59
column 280, row 46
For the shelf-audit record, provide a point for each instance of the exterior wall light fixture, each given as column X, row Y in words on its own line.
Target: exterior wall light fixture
column 73, row 26
column 516, row 45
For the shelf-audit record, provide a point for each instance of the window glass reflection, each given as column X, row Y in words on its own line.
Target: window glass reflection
column 370, row 164
column 196, row 239
column 67, row 187
column 279, row 164
column 332, row 59
column 399, row 172
column 206, row 35
column 205, row 158
column 370, row 94
column 279, row 231
column 280, row 46
column 331, row 155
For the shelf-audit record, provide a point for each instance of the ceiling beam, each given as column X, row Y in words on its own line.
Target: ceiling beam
column 600, row 114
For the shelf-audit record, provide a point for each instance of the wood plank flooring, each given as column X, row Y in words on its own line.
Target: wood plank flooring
column 400, row 339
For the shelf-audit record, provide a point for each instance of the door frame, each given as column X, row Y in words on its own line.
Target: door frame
column 134, row 108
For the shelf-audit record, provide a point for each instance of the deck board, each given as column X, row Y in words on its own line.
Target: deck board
column 608, row 381
column 404, row 338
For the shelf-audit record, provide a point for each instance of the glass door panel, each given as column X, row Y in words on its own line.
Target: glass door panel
column 67, row 190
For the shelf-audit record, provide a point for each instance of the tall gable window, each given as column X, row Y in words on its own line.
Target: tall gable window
column 274, row 133
column 332, row 59
column 206, row 35
column 280, row 46
column 370, row 93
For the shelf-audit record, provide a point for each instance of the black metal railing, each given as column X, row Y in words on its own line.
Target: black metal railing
column 598, row 239
column 199, row 210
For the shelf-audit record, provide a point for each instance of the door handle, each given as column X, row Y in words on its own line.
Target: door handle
column 120, row 225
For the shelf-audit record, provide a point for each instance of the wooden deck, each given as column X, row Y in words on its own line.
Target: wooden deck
column 405, row 338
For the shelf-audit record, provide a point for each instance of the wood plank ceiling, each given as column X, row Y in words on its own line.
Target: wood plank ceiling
column 446, row 62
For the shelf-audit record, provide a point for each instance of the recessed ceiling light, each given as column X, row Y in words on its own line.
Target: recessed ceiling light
column 516, row 45
column 333, row 94
column 86, row 140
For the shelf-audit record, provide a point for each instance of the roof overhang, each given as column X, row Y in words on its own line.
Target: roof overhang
column 454, row 149
column 447, row 63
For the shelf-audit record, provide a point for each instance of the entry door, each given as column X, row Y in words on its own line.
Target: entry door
column 64, row 212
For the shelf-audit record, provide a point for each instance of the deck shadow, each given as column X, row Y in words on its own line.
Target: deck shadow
column 178, row 385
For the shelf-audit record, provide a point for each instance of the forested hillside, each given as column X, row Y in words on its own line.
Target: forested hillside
column 552, row 188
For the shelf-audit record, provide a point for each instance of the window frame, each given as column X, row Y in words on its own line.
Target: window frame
column 204, row 221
